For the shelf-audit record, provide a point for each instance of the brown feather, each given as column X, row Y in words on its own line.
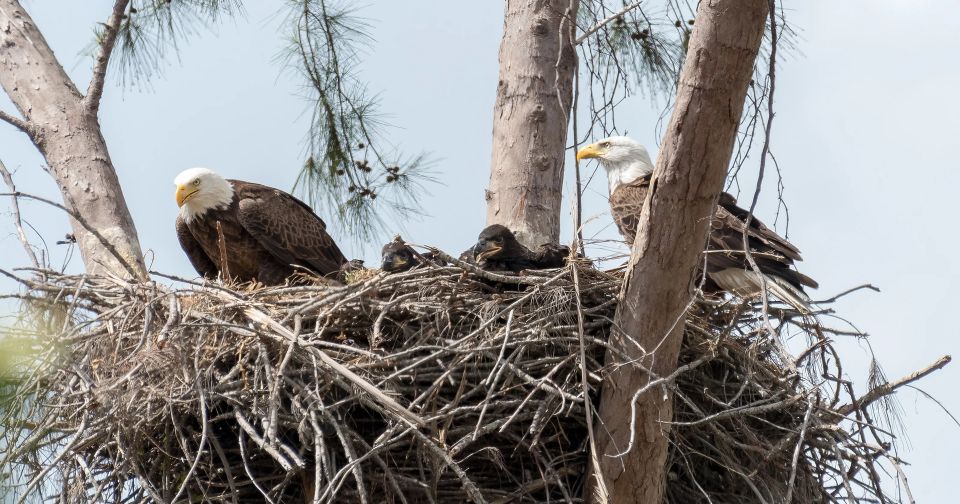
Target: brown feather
column 773, row 254
column 198, row 258
column 267, row 233
column 626, row 202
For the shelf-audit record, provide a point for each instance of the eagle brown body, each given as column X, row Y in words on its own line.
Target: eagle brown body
column 728, row 268
column 263, row 234
column 773, row 254
column 626, row 202
column 498, row 249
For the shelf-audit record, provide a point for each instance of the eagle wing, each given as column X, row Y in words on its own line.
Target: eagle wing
column 287, row 228
column 551, row 255
column 773, row 254
column 198, row 258
column 626, row 202
column 732, row 216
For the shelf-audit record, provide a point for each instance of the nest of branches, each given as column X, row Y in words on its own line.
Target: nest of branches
column 435, row 385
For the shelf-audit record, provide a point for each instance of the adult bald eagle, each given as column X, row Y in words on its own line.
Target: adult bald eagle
column 497, row 248
column 248, row 231
column 629, row 170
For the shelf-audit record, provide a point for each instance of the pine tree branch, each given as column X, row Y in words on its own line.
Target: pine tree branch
column 890, row 387
column 91, row 101
column 607, row 20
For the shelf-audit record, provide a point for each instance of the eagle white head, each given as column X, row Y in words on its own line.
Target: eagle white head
column 624, row 159
column 200, row 190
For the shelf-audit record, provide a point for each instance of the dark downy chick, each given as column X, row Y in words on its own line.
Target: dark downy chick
column 498, row 249
column 398, row 256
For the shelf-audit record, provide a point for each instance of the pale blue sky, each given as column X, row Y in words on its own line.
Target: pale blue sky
column 865, row 132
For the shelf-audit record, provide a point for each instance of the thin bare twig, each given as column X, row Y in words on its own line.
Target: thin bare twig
column 17, row 220
column 607, row 20
column 83, row 222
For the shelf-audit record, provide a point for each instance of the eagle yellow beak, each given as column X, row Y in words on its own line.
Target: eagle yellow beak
column 184, row 193
column 487, row 251
column 590, row 151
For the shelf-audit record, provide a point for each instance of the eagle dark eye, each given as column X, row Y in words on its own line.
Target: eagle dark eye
column 196, row 182
column 605, row 145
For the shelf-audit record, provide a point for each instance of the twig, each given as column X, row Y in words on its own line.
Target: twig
column 91, row 102
column 487, row 275
column 937, row 402
column 849, row 291
column 18, row 222
column 263, row 444
column 796, row 452
column 643, row 390
column 49, row 465
column 83, row 222
column 602, row 493
column 889, row 387
column 224, row 265
column 203, row 441
column 505, row 409
column 607, row 20
column 764, row 151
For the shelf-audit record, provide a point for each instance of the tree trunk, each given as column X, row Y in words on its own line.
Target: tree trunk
column 534, row 96
column 672, row 232
column 65, row 128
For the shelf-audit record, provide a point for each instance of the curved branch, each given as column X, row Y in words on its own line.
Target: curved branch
column 91, row 102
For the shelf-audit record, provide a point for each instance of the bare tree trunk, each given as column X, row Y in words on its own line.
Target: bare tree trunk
column 534, row 95
column 672, row 232
column 63, row 124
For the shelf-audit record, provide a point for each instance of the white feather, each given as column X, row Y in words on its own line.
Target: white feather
column 625, row 161
column 746, row 284
column 213, row 191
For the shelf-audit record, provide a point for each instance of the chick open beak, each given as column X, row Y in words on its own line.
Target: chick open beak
column 184, row 193
column 588, row 152
column 486, row 249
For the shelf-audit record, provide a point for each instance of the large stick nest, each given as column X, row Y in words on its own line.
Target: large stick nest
column 435, row 385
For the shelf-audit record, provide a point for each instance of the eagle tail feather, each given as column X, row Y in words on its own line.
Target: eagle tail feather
column 788, row 293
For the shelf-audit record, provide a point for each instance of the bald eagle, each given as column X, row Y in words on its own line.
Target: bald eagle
column 629, row 170
column 397, row 257
column 246, row 231
column 497, row 248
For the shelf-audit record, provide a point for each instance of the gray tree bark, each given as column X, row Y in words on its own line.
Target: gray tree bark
column 689, row 175
column 530, row 117
column 63, row 124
